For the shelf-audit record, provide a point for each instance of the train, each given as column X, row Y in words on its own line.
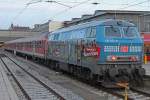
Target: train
column 106, row 51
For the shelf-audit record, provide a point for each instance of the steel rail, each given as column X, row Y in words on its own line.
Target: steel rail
column 140, row 92
column 120, row 95
column 15, row 79
column 40, row 82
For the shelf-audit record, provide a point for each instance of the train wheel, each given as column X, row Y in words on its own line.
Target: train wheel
column 94, row 79
column 86, row 73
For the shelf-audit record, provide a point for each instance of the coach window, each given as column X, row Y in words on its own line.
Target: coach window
column 77, row 34
column 73, row 35
column 82, row 33
column 40, row 43
column 63, row 36
column 37, row 44
column 30, row 44
column 88, row 32
column 49, row 37
column 93, row 32
column 56, row 36
column 52, row 37
column 67, row 35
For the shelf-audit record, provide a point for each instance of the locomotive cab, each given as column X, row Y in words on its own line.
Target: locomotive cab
column 122, row 44
column 121, row 50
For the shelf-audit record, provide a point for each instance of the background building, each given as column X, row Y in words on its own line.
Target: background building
column 7, row 35
column 140, row 18
column 19, row 28
column 15, row 32
column 48, row 26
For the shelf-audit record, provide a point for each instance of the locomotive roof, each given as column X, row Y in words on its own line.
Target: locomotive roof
column 106, row 22
column 28, row 39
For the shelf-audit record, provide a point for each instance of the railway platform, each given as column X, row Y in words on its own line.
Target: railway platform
column 6, row 90
column 147, row 68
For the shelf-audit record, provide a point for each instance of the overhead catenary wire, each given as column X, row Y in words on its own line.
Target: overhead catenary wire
column 51, row 1
column 21, row 11
column 132, row 5
column 34, row 2
column 67, row 9
column 70, row 7
column 64, row 11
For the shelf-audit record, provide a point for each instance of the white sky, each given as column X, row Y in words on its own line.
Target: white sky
column 41, row 12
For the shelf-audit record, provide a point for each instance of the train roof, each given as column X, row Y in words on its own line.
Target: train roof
column 106, row 22
column 29, row 39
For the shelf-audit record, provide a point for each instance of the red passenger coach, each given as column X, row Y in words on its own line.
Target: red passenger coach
column 41, row 46
column 146, row 36
column 33, row 46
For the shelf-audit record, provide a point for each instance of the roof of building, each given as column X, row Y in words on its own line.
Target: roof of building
column 103, row 12
column 41, row 36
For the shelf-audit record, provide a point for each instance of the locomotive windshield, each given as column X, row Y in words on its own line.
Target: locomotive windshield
column 112, row 31
column 130, row 32
column 119, row 32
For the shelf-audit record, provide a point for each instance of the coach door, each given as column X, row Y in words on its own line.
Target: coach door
column 79, row 51
column 73, row 52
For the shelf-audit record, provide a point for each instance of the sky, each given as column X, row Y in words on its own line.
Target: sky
column 19, row 13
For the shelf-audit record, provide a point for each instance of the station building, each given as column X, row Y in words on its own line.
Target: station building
column 140, row 18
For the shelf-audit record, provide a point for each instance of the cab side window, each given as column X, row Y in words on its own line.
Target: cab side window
column 91, row 32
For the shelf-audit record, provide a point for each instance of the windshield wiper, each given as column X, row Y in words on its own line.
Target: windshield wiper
column 113, row 28
column 127, row 29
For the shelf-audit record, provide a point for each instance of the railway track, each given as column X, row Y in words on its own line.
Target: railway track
column 32, row 87
column 133, row 93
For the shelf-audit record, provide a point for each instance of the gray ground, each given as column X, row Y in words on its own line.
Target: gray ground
column 83, row 90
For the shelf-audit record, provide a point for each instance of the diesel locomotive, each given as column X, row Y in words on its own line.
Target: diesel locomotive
column 106, row 51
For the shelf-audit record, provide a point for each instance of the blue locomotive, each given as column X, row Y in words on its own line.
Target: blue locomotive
column 104, row 51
